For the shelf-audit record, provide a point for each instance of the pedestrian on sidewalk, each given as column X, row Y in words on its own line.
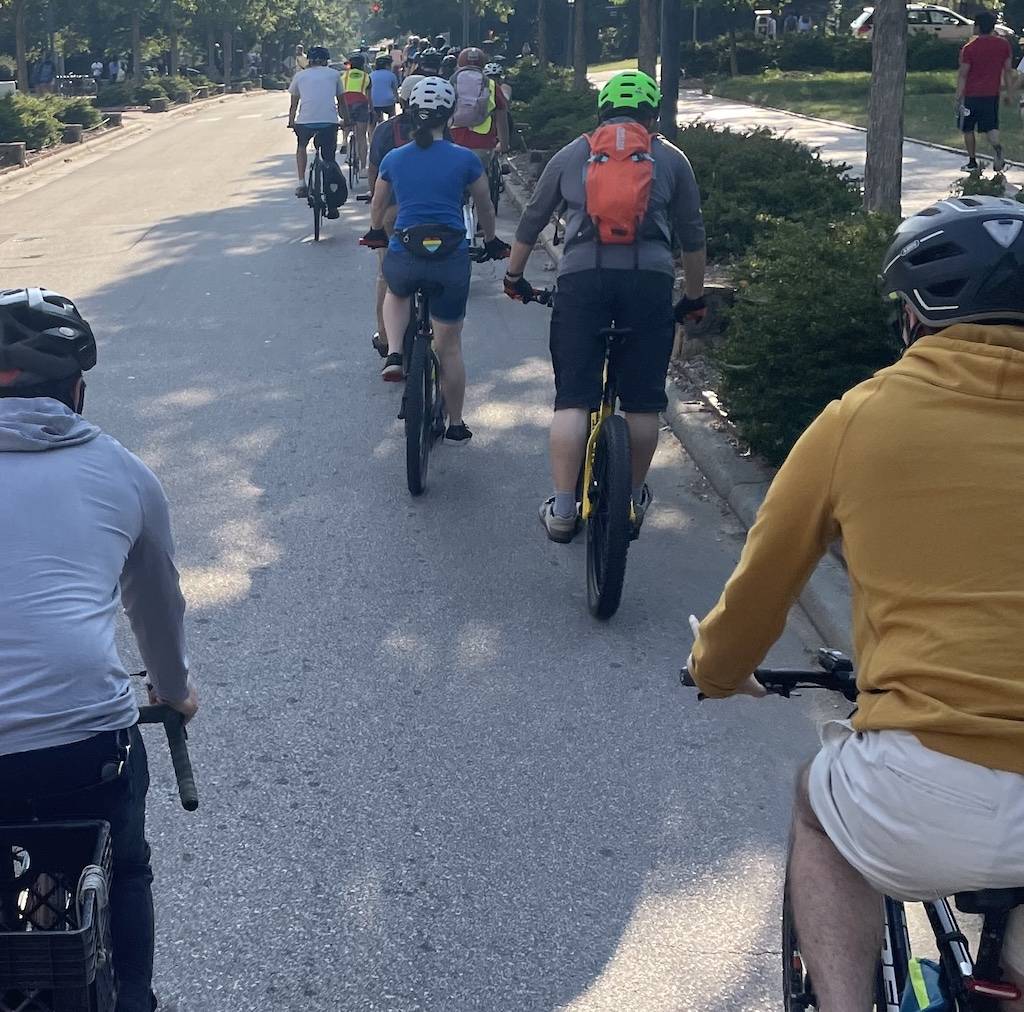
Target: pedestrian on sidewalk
column 985, row 74
column 97, row 70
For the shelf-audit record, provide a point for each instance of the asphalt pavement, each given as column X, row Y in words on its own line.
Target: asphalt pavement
column 430, row 781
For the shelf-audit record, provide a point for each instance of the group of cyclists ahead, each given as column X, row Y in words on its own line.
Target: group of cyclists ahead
column 918, row 470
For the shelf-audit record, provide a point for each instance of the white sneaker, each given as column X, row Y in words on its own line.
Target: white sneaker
column 560, row 529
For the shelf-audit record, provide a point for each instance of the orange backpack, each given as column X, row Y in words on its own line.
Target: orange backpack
column 620, row 172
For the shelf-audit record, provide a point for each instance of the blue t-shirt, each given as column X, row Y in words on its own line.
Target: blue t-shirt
column 383, row 87
column 430, row 183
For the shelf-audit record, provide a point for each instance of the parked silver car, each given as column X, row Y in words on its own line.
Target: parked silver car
column 938, row 21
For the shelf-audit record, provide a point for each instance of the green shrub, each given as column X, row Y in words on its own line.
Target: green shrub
column 8, row 67
column 807, row 325
column 805, row 51
column 115, row 95
column 528, row 79
column 148, row 90
column 926, row 52
column 81, row 110
column 178, row 89
column 751, row 181
column 30, row 120
column 275, row 83
column 556, row 115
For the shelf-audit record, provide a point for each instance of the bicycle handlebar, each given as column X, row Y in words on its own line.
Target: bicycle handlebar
column 783, row 681
column 174, row 728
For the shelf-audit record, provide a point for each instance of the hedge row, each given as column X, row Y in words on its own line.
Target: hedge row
column 38, row 122
column 116, row 94
column 808, row 51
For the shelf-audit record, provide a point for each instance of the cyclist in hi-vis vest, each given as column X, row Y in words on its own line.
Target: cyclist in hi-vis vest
column 481, row 128
column 355, row 86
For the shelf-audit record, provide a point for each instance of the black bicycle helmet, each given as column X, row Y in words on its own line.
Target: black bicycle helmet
column 449, row 65
column 43, row 338
column 430, row 61
column 357, row 61
column 960, row 260
column 319, row 54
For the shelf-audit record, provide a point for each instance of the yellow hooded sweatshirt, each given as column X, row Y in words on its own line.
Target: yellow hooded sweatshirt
column 920, row 470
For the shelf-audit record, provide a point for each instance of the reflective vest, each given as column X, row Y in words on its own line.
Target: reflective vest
column 355, row 81
column 485, row 127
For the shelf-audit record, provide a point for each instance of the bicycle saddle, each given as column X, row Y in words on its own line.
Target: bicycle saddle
column 429, row 288
column 989, row 901
column 614, row 332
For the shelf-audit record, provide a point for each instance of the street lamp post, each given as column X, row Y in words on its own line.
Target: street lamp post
column 569, row 35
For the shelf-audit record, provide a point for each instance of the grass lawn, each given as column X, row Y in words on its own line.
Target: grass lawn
column 597, row 68
column 929, row 111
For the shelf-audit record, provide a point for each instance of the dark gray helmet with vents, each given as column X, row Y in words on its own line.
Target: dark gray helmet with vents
column 42, row 338
column 960, row 260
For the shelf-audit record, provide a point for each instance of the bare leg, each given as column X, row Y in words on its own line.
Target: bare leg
column 396, row 319
column 448, row 348
column 382, row 290
column 993, row 138
column 568, row 443
column 643, row 441
column 390, row 216
column 838, row 915
column 300, row 161
column 971, row 144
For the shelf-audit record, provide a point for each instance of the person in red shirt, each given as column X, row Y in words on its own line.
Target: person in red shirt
column 985, row 64
column 492, row 133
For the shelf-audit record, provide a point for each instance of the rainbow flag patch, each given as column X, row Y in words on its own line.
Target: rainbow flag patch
column 432, row 245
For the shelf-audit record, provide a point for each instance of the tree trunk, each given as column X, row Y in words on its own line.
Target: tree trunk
column 542, row 32
column 20, row 45
column 647, row 52
column 172, row 59
column 883, row 170
column 136, row 45
column 579, row 49
column 734, row 64
column 227, row 55
column 211, row 55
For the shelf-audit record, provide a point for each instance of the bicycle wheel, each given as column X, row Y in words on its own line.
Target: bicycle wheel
column 608, row 529
column 494, row 181
column 351, row 158
column 419, row 411
column 316, row 197
column 797, row 993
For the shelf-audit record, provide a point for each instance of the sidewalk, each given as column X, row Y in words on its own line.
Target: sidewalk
column 928, row 172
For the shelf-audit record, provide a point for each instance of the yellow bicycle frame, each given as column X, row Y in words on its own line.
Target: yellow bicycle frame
column 597, row 419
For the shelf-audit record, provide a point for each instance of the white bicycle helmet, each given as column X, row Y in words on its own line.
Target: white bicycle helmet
column 492, row 70
column 433, row 99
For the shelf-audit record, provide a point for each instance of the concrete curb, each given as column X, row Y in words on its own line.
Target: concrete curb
column 70, row 149
column 133, row 127
column 742, row 481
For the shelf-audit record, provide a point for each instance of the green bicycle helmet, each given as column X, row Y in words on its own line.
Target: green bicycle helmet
column 629, row 89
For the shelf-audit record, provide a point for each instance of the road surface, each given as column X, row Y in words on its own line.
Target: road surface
column 429, row 780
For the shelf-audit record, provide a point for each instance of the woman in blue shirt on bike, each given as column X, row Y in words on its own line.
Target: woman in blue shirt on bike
column 429, row 180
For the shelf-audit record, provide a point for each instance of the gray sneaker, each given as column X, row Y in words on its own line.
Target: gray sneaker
column 560, row 529
column 640, row 510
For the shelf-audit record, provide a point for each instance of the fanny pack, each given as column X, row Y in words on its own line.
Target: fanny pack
column 431, row 242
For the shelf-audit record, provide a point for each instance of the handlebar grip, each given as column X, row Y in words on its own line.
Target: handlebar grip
column 174, row 728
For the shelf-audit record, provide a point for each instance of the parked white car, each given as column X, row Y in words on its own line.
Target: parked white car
column 939, row 21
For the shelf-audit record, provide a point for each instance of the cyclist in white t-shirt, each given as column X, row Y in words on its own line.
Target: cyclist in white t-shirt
column 315, row 111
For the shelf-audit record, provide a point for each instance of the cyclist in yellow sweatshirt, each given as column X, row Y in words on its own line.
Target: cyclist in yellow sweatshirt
column 920, row 470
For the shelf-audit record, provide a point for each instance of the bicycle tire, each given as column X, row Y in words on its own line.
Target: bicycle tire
column 315, row 198
column 351, row 158
column 797, row 992
column 494, row 182
column 419, row 404
column 609, row 531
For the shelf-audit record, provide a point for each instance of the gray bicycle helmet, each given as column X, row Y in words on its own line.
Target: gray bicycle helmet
column 43, row 338
column 960, row 260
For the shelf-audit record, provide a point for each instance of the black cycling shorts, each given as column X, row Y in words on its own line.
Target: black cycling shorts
column 326, row 138
column 588, row 301
column 982, row 115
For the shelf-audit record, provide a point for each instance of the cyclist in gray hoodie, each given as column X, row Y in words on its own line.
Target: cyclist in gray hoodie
column 85, row 525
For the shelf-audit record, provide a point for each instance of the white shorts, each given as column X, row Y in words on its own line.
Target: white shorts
column 918, row 824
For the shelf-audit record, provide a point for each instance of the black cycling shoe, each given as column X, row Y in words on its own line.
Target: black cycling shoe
column 393, row 371
column 458, row 433
column 333, row 212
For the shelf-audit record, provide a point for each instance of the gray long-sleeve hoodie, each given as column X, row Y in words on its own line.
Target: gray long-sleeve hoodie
column 673, row 211
column 80, row 517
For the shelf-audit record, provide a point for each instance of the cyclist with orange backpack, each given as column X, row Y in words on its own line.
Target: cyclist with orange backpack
column 631, row 197
column 355, row 86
